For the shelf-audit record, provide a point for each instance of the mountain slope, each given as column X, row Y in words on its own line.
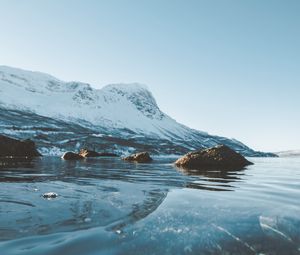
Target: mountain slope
column 126, row 112
column 115, row 106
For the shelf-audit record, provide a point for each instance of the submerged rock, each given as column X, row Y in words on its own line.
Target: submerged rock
column 142, row 157
column 71, row 156
column 220, row 157
column 10, row 147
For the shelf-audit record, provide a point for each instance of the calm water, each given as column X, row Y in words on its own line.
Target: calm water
column 107, row 206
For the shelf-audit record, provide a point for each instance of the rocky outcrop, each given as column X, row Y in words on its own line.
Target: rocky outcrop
column 142, row 157
column 71, row 156
column 10, row 147
column 220, row 158
column 84, row 153
column 88, row 154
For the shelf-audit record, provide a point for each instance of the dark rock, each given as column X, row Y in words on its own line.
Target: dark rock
column 71, row 156
column 10, row 147
column 87, row 154
column 142, row 157
column 220, row 157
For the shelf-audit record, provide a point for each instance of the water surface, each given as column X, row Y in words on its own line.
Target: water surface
column 107, row 206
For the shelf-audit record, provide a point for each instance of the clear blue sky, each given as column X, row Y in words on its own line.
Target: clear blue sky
column 230, row 67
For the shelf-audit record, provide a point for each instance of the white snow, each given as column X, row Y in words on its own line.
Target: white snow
column 129, row 106
column 51, row 151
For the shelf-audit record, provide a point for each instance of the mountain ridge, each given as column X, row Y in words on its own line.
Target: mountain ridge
column 124, row 111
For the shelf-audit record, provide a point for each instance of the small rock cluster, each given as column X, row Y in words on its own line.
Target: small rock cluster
column 84, row 153
column 220, row 157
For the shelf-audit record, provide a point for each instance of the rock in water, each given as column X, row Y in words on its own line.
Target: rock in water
column 71, row 156
column 87, row 153
column 220, row 158
column 10, row 147
column 142, row 157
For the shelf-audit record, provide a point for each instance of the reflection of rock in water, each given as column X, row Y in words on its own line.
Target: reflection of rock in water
column 13, row 169
column 16, row 162
column 214, row 180
column 218, row 176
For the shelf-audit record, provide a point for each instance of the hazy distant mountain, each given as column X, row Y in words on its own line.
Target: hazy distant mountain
column 291, row 153
column 120, row 117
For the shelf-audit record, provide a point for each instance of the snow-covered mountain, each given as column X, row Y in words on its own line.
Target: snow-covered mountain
column 66, row 115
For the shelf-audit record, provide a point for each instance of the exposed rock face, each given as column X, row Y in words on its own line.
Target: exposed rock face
column 71, row 156
column 88, row 154
column 10, row 147
column 142, row 157
column 220, row 157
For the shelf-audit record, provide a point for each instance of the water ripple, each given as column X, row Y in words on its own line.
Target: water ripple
column 118, row 207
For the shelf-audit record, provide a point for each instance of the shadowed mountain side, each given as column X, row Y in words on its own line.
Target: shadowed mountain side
column 54, row 136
